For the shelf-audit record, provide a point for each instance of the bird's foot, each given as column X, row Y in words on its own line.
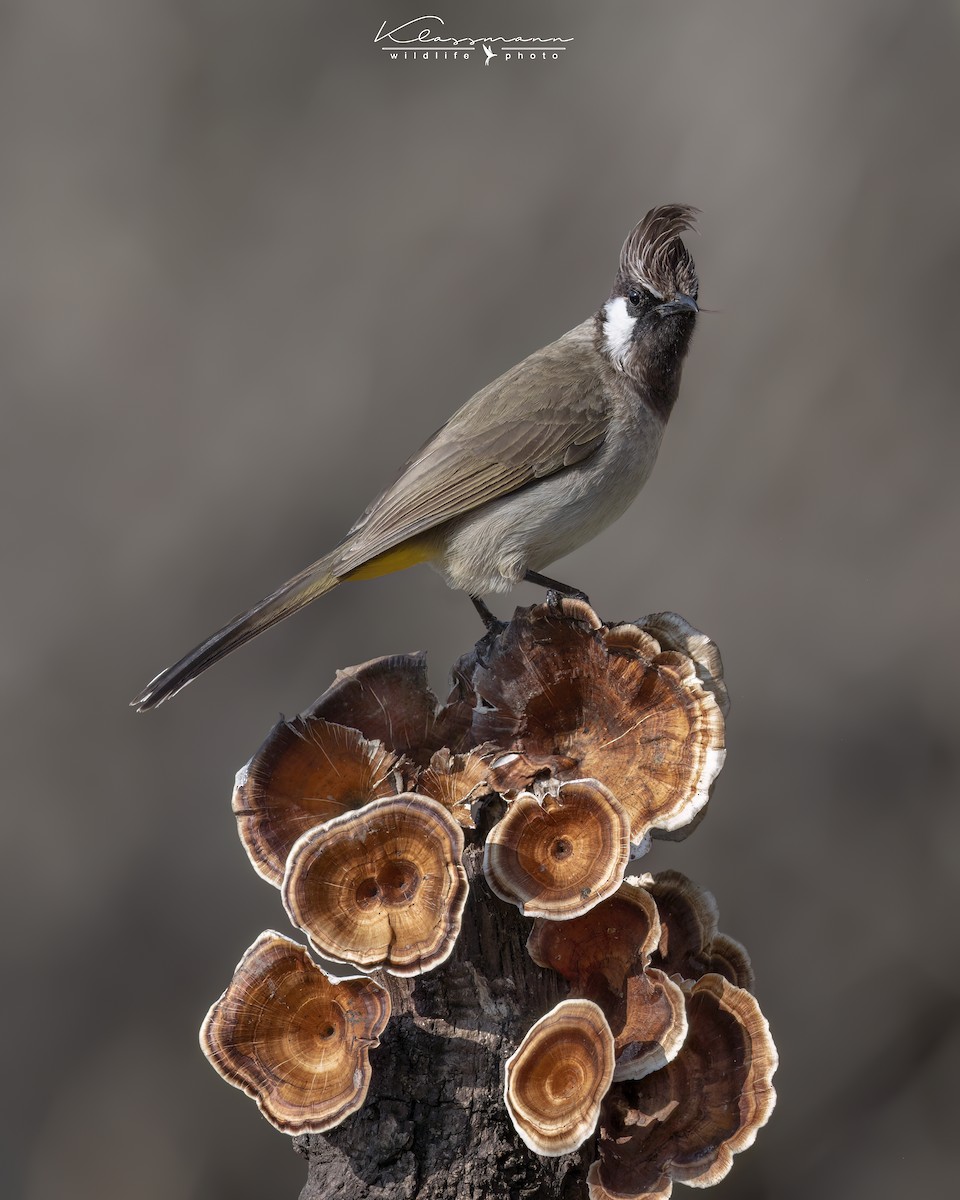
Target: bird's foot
column 493, row 624
column 556, row 590
column 556, row 598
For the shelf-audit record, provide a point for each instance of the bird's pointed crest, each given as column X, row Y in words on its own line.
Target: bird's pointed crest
column 654, row 255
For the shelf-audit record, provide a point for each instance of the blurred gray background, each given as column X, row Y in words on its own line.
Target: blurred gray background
column 248, row 266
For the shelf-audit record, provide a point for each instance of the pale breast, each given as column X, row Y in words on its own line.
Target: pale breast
column 489, row 550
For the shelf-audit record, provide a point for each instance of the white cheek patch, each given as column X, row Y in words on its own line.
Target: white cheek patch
column 618, row 328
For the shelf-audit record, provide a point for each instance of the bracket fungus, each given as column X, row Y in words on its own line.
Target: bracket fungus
column 306, row 772
column 565, row 744
column 558, row 1076
column 457, row 781
column 687, row 1121
column 558, row 856
column 729, row 958
column 604, row 956
column 690, row 945
column 596, row 951
column 674, row 633
column 619, row 709
column 293, row 1038
column 388, row 699
column 649, row 1023
column 380, row 887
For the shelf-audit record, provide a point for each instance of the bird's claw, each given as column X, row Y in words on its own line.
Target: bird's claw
column 556, row 598
column 493, row 624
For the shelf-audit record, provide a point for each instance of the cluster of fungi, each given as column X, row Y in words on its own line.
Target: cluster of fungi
column 563, row 747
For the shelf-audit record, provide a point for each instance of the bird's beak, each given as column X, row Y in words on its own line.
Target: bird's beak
column 679, row 304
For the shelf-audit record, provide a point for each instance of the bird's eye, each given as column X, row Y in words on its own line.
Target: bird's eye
column 635, row 297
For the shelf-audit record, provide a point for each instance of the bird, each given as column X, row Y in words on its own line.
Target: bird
column 532, row 466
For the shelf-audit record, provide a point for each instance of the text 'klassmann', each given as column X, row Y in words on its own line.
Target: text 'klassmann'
column 418, row 40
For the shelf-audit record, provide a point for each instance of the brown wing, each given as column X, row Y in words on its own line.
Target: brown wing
column 543, row 415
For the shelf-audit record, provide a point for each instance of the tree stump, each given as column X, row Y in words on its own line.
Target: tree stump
column 564, row 743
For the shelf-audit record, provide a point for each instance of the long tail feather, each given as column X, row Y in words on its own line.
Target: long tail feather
column 293, row 595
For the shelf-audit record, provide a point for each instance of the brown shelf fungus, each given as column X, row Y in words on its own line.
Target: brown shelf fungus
column 558, row 856
column 596, row 951
column 649, row 1023
column 729, row 958
column 305, row 773
column 293, row 1038
column 381, row 887
column 675, row 633
column 565, row 743
column 558, row 1076
column 622, row 710
column 388, row 699
column 690, row 945
column 687, row 1121
column 457, row 781
column 604, row 955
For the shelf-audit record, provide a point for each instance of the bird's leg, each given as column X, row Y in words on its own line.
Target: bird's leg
column 555, row 589
column 493, row 624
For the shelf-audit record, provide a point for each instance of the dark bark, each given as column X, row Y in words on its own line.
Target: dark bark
column 435, row 1126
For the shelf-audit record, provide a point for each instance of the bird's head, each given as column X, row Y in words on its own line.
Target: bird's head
column 647, row 323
